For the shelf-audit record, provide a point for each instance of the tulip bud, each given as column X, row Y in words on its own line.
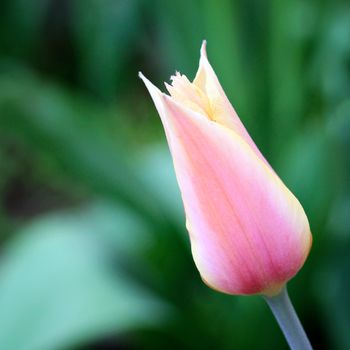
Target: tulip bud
column 248, row 232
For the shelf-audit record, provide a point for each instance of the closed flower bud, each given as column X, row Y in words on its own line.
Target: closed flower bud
column 248, row 232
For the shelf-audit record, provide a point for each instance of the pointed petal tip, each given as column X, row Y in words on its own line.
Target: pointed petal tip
column 146, row 81
column 155, row 93
column 204, row 49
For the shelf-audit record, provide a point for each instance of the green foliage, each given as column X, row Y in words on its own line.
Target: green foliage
column 94, row 248
column 56, row 286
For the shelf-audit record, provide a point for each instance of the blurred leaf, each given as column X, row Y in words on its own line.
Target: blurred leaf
column 309, row 168
column 57, row 290
column 339, row 127
column 20, row 25
column 46, row 119
column 333, row 276
column 103, row 30
column 180, row 35
column 330, row 71
column 230, row 319
column 287, row 47
column 157, row 169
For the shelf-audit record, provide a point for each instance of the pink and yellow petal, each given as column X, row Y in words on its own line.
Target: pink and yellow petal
column 248, row 232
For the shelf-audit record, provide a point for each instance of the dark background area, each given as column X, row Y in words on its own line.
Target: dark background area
column 94, row 252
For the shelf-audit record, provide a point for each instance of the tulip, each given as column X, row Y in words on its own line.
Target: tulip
column 248, row 232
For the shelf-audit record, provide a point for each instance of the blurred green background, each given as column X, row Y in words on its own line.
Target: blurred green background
column 94, row 253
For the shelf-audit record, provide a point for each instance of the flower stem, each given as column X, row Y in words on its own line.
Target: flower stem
column 288, row 320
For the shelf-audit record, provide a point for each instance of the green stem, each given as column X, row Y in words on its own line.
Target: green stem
column 288, row 320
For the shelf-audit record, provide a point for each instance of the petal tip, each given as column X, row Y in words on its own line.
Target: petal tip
column 204, row 49
column 148, row 84
column 155, row 93
column 144, row 79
